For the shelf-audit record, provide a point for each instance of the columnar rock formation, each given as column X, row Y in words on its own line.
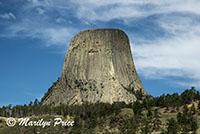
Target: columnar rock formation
column 98, row 67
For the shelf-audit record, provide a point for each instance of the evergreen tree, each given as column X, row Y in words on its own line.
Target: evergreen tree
column 179, row 118
column 199, row 105
column 146, row 129
column 193, row 109
column 194, row 126
column 30, row 104
column 172, row 127
column 185, row 109
column 156, row 120
column 36, row 101
column 137, row 108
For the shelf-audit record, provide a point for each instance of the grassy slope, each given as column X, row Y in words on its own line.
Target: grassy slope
column 103, row 128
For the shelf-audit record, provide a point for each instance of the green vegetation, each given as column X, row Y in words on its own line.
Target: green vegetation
column 167, row 114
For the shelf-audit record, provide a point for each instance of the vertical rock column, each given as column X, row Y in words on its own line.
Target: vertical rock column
column 98, row 67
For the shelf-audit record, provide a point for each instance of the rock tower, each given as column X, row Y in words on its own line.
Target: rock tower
column 98, row 67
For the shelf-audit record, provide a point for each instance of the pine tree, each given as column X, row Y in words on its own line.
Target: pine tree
column 193, row 109
column 194, row 126
column 146, row 129
column 156, row 120
column 199, row 105
column 36, row 101
column 30, row 104
column 185, row 109
column 172, row 127
column 179, row 118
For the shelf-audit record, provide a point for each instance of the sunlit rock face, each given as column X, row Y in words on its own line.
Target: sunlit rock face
column 98, row 67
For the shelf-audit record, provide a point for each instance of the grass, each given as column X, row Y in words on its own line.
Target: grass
column 125, row 112
column 165, row 117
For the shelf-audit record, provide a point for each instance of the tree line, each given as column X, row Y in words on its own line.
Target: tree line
column 146, row 116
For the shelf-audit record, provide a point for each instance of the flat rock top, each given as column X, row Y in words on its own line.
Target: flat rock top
column 102, row 30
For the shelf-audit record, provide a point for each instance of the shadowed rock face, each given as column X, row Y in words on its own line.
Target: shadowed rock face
column 98, row 67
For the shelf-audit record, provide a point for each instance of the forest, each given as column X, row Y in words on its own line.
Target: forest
column 167, row 114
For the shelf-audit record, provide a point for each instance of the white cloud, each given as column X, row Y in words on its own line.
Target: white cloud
column 60, row 20
column 177, row 56
column 58, row 36
column 7, row 16
column 41, row 2
column 40, row 11
column 86, row 22
column 51, row 35
column 34, row 1
column 106, row 10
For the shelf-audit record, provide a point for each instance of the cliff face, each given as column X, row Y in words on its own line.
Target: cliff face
column 98, row 67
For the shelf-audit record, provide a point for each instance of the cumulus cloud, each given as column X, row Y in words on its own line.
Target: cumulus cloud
column 58, row 36
column 34, row 1
column 179, row 53
column 7, row 16
column 44, row 28
column 60, row 20
column 177, row 56
column 40, row 11
column 50, row 35
column 39, row 2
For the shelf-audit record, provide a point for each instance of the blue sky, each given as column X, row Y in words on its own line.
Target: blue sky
column 35, row 36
